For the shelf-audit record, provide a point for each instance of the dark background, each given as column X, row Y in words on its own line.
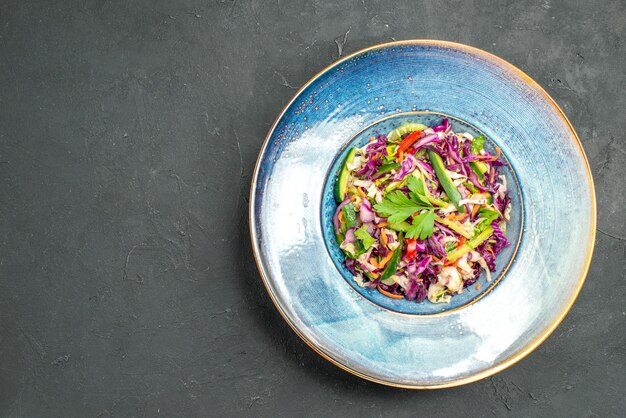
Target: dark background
column 128, row 135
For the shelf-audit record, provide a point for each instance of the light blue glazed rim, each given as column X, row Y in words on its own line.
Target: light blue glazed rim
column 482, row 338
column 470, row 294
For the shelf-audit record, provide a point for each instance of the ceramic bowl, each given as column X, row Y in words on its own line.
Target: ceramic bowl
column 404, row 343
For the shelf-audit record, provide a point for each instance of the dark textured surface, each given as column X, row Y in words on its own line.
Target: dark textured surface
column 128, row 134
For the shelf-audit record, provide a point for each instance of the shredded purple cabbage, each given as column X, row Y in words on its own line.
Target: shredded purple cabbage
column 501, row 240
column 408, row 165
column 366, row 212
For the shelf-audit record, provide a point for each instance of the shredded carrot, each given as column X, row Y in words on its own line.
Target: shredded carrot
column 374, row 262
column 462, row 240
column 435, row 259
column 383, row 238
column 389, row 295
column 382, row 224
column 495, row 157
column 455, row 216
column 360, row 191
column 478, row 286
column 385, row 260
column 372, row 139
column 400, row 157
column 475, row 210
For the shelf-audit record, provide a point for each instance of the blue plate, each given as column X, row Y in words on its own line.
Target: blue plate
column 398, row 342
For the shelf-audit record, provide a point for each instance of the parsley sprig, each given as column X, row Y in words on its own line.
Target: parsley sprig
column 364, row 236
column 423, row 225
column 397, row 207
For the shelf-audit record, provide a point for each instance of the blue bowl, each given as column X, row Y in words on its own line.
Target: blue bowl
column 399, row 342
column 470, row 294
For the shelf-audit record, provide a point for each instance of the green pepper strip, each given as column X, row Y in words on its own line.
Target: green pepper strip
column 385, row 168
column 470, row 186
column 437, row 201
column 476, row 169
column 393, row 263
column 445, row 180
column 455, row 226
column 470, row 245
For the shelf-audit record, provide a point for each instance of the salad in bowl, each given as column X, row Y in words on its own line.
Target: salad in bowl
column 422, row 212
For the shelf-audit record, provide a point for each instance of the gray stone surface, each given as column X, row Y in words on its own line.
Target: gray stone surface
column 128, row 134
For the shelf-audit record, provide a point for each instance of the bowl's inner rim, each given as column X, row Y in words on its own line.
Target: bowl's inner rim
column 331, row 177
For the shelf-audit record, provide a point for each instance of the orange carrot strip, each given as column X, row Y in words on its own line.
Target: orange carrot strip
column 457, row 217
column 498, row 154
column 383, row 238
column 360, row 191
column 389, row 295
column 382, row 263
column 475, row 210
column 453, row 216
column 382, row 224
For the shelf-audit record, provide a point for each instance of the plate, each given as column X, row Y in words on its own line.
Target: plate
column 398, row 342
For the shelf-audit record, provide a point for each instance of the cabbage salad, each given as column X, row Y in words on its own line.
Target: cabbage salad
column 422, row 211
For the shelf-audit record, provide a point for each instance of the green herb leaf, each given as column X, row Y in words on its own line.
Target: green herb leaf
column 397, row 207
column 477, row 144
column 400, row 226
column 418, row 190
column 349, row 215
column 487, row 216
column 423, row 225
column 358, row 250
column 364, row 236
column 416, row 185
